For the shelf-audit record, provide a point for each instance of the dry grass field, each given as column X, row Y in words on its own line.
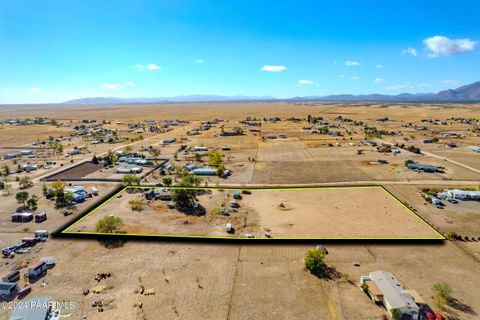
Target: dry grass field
column 233, row 111
column 327, row 213
column 218, row 280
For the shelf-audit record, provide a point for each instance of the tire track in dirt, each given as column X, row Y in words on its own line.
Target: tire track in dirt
column 234, row 281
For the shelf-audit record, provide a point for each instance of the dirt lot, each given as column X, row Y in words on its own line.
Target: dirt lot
column 78, row 172
column 306, row 213
column 15, row 136
column 218, row 281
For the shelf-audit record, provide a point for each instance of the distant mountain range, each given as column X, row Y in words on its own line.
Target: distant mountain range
column 466, row 93
column 188, row 98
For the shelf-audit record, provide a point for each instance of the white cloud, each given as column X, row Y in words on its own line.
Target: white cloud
column 350, row 63
column 273, row 68
column 355, row 78
column 153, row 66
column 452, row 82
column 399, row 87
column 378, row 80
column 199, row 61
column 34, row 89
column 141, row 67
column 302, row 82
column 115, row 86
column 410, row 51
column 425, row 85
column 379, row 66
column 341, row 76
column 138, row 67
column 443, row 46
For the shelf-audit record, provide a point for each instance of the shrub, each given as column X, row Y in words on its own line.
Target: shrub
column 452, row 235
column 136, row 205
column 314, row 261
column 215, row 158
column 109, row 224
column 442, row 292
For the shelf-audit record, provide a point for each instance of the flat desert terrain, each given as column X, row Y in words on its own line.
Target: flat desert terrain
column 323, row 213
column 344, row 145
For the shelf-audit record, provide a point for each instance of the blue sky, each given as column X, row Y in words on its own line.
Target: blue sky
column 52, row 51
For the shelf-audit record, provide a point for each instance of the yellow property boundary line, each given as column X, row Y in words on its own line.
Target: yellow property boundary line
column 65, row 230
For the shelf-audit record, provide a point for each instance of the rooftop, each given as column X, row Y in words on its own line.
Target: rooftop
column 392, row 290
column 36, row 308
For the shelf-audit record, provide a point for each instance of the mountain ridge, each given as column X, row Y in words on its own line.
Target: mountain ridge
column 465, row 93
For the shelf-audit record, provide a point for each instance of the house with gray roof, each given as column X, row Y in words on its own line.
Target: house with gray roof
column 384, row 288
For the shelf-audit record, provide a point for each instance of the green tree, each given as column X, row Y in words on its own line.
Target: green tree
column 22, row 198
column 183, row 197
column 59, row 148
column 25, row 182
column 128, row 149
column 110, row 158
column 6, row 169
column 167, row 181
column 155, row 152
column 131, row 179
column 6, row 189
column 186, row 196
column 32, row 202
column 189, row 179
column 220, row 170
column 215, row 158
column 68, row 196
column 442, row 292
column 44, row 189
column 58, row 186
column 109, row 224
column 314, row 261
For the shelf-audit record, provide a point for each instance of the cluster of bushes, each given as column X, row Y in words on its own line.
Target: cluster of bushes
column 409, row 148
column 27, row 201
column 215, row 160
column 452, row 235
column 431, row 191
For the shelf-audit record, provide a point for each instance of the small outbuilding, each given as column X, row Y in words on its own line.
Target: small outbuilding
column 205, row 171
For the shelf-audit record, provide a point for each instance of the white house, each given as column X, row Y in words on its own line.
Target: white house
column 456, row 194
column 383, row 287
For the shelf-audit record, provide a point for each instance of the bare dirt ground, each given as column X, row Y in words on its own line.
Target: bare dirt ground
column 219, row 281
column 15, row 136
column 80, row 171
column 251, row 281
column 303, row 213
